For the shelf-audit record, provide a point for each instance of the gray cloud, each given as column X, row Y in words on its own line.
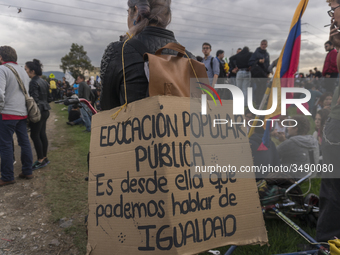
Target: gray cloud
column 277, row 45
column 309, row 46
column 311, row 60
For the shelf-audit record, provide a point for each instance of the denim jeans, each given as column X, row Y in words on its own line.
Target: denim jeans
column 86, row 115
column 7, row 129
column 243, row 82
column 232, row 80
column 38, row 135
column 78, row 121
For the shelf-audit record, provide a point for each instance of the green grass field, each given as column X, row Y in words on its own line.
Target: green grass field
column 66, row 191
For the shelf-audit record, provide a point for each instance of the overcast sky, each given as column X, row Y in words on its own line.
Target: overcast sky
column 226, row 24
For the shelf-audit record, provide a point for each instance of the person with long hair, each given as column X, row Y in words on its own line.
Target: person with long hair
column 39, row 90
column 325, row 101
column 147, row 21
column 320, row 121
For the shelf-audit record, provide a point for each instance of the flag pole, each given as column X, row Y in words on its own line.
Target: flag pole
column 292, row 46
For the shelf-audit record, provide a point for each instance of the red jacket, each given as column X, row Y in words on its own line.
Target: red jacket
column 330, row 65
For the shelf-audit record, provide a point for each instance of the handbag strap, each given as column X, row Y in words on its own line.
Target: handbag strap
column 173, row 46
column 21, row 84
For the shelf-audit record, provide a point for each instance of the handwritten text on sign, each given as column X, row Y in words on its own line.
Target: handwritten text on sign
column 145, row 189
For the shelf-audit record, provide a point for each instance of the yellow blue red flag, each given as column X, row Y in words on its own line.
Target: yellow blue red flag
column 288, row 62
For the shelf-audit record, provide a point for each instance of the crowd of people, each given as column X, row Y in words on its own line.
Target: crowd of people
column 299, row 145
column 63, row 89
column 79, row 114
column 248, row 69
column 147, row 21
column 244, row 69
column 14, row 112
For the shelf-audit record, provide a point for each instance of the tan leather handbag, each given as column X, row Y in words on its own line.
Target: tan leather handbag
column 170, row 74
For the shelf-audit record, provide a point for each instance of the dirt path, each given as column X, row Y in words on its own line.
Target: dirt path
column 25, row 226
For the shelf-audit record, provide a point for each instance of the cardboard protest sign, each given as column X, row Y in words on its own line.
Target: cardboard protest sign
column 145, row 196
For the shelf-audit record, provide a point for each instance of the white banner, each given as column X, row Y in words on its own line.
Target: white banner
column 69, row 78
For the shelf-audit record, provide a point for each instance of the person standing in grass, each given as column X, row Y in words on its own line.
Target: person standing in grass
column 13, row 117
column 38, row 89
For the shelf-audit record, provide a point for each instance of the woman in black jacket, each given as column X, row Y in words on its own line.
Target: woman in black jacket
column 147, row 20
column 39, row 90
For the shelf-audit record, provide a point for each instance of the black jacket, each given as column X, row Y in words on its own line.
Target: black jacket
column 260, row 54
column 73, row 115
column 112, row 94
column 40, row 91
column 242, row 59
column 84, row 91
column 232, row 66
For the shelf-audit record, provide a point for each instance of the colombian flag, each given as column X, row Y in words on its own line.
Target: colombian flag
column 286, row 67
column 288, row 62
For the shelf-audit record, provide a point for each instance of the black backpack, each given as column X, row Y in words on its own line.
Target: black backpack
column 222, row 74
column 93, row 97
column 258, row 72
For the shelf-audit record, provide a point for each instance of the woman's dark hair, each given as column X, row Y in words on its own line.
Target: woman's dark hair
column 324, row 116
column 150, row 12
column 219, row 52
column 324, row 96
column 35, row 66
column 245, row 48
column 303, row 124
column 8, row 54
column 199, row 58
